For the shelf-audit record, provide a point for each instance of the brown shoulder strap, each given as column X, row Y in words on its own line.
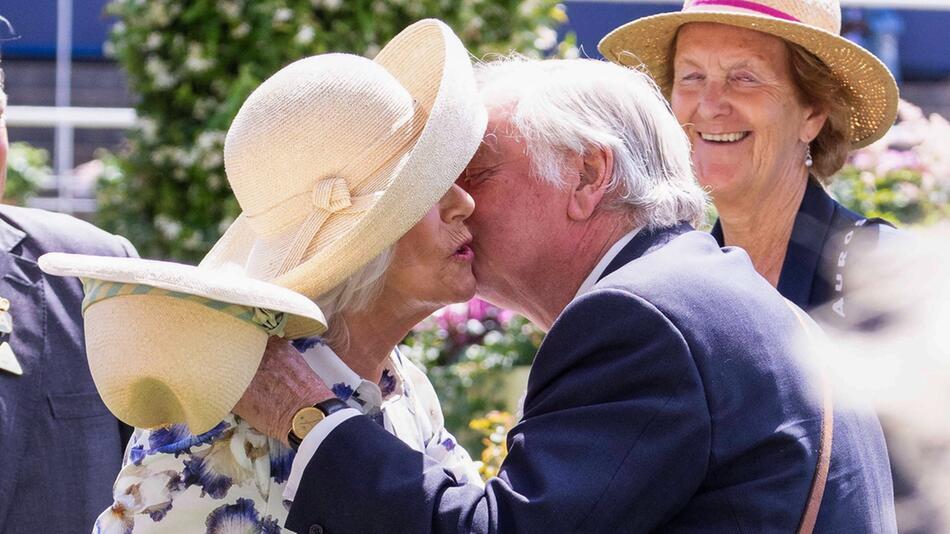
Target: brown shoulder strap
column 810, row 514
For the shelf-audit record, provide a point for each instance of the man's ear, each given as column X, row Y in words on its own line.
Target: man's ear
column 594, row 171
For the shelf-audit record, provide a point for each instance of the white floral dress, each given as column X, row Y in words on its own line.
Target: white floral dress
column 231, row 478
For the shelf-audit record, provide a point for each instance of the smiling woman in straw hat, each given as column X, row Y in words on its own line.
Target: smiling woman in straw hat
column 773, row 100
column 344, row 169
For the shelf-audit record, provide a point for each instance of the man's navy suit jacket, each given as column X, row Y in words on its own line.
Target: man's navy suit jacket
column 666, row 399
column 60, row 448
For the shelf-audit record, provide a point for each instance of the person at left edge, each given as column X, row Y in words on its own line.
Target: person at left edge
column 60, row 448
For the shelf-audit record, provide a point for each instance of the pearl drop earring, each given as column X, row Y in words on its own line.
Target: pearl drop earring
column 808, row 160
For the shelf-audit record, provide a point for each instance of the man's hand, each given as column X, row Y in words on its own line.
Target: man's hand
column 284, row 383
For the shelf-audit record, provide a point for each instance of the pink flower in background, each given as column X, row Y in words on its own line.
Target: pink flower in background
column 892, row 160
column 466, row 322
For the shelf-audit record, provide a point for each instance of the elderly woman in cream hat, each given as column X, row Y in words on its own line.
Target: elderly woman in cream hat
column 344, row 169
column 773, row 100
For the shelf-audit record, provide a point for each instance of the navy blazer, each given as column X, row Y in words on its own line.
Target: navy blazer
column 666, row 399
column 829, row 243
column 60, row 448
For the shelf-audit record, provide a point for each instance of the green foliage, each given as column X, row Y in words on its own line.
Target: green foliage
column 900, row 195
column 904, row 177
column 476, row 356
column 192, row 64
column 27, row 171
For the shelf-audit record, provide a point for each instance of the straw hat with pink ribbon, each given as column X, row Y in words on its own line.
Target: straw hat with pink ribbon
column 812, row 24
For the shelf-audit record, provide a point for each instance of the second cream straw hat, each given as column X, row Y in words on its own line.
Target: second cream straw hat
column 172, row 343
column 335, row 157
column 812, row 24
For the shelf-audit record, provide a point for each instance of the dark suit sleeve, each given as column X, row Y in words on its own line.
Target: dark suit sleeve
column 615, row 438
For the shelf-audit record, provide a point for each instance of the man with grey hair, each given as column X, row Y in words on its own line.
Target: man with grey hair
column 60, row 448
column 665, row 395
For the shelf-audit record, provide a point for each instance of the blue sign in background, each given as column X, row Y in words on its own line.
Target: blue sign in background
column 924, row 42
column 35, row 21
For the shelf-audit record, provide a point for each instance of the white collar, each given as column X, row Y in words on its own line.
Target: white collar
column 601, row 266
column 344, row 382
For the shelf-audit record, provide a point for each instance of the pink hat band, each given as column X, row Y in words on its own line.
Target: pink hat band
column 747, row 5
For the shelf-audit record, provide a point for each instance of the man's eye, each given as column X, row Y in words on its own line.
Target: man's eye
column 692, row 77
column 474, row 178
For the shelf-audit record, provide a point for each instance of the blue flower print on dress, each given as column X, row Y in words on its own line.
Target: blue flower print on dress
column 176, row 439
column 137, row 454
column 342, row 391
column 197, row 472
column 387, row 383
column 240, row 517
column 448, row 444
column 306, row 343
column 281, row 460
column 235, row 458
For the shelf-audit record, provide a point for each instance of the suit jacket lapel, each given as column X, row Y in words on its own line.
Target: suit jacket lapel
column 804, row 247
column 643, row 243
column 21, row 284
column 803, row 254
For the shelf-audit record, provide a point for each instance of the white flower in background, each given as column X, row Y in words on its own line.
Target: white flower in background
column 149, row 129
column 305, row 35
column 229, row 9
column 193, row 242
column 214, row 182
column 211, row 139
column 474, row 327
column 571, row 53
column 527, row 7
column 196, row 61
column 118, row 28
column 283, row 14
column 415, row 9
column 212, row 160
column 168, row 227
column 546, row 39
column 204, row 107
column 225, row 224
column 161, row 77
column 108, row 49
column 241, row 30
column 329, row 5
column 371, row 50
column 474, row 24
column 380, row 7
column 154, row 41
column 157, row 14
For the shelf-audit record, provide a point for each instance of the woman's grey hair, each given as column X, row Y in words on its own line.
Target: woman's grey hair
column 353, row 295
column 564, row 108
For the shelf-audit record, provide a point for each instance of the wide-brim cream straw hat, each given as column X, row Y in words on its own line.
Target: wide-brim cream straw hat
column 812, row 24
column 335, row 157
column 171, row 343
